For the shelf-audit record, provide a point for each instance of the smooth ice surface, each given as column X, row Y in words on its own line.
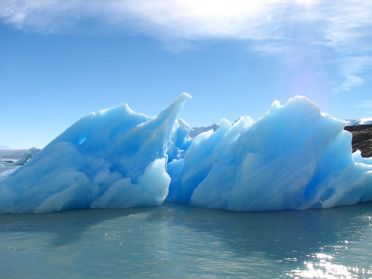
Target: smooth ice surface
column 294, row 157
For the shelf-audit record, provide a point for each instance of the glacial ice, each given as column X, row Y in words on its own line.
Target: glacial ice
column 293, row 157
column 112, row 158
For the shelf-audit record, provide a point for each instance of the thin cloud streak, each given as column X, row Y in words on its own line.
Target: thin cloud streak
column 352, row 69
column 365, row 104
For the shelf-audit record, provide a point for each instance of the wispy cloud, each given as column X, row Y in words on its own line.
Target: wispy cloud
column 186, row 19
column 352, row 69
column 273, row 27
column 349, row 33
column 365, row 106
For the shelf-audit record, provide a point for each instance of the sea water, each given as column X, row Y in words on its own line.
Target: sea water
column 188, row 242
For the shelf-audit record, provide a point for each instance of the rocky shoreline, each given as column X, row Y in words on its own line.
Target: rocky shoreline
column 362, row 138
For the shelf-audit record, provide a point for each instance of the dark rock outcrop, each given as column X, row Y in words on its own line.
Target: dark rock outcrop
column 362, row 138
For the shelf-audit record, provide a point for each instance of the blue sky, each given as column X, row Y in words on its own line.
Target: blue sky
column 60, row 60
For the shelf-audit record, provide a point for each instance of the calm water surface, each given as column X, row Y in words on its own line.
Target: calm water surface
column 187, row 242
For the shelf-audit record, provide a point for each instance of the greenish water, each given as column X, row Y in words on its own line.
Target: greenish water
column 187, row 242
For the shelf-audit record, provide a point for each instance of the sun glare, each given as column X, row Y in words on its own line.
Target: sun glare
column 307, row 3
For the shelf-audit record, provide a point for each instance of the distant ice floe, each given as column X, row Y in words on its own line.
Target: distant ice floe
column 13, row 158
column 293, row 157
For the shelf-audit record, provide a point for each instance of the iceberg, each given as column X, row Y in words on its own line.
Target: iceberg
column 293, row 157
column 111, row 158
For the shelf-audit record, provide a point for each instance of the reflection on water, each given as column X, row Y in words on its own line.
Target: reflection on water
column 322, row 266
column 179, row 241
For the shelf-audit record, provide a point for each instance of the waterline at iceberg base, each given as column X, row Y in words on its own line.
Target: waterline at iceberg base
column 294, row 157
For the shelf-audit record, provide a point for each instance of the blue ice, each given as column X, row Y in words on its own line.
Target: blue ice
column 293, row 157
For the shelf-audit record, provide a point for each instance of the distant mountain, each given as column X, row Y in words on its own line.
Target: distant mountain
column 198, row 130
column 357, row 122
column 11, row 158
column 14, row 154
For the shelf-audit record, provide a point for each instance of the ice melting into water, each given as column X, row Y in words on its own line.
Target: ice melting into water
column 294, row 157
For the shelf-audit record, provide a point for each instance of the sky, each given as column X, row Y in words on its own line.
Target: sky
column 61, row 59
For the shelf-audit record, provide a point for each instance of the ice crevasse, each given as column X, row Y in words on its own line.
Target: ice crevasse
column 293, row 157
